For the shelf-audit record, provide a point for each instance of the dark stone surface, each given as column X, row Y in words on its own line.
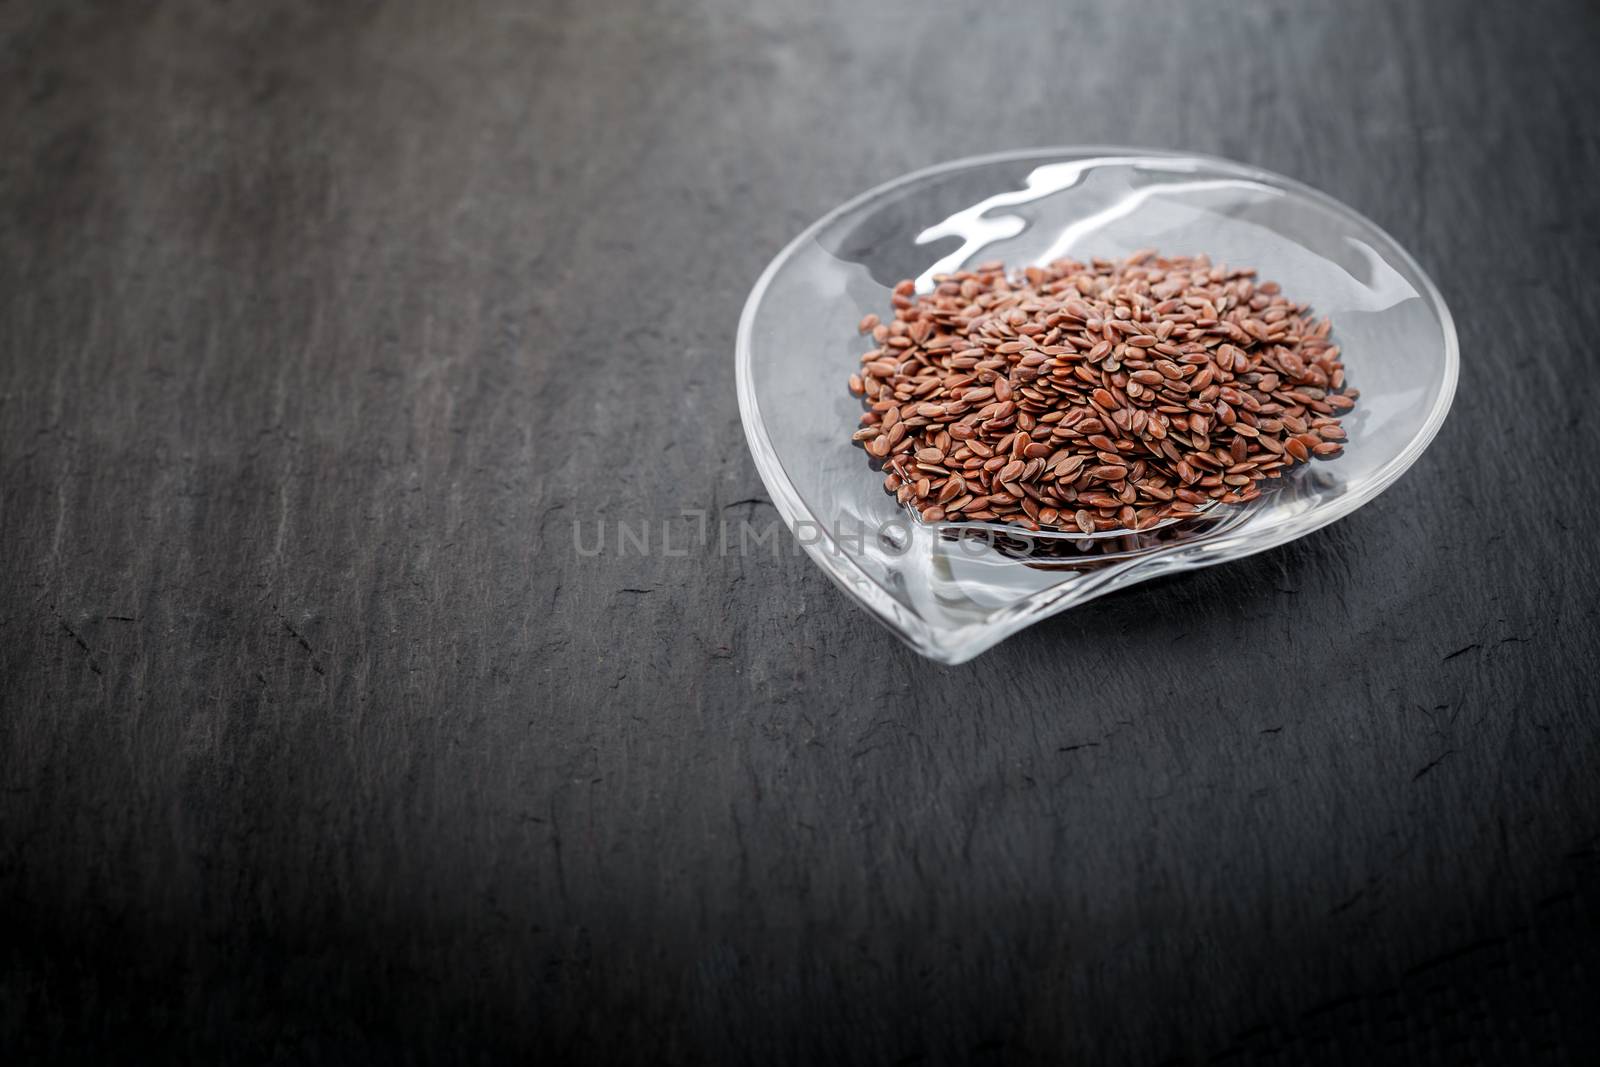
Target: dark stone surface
column 321, row 325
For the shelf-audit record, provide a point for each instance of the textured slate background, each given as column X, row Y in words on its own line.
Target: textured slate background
column 319, row 328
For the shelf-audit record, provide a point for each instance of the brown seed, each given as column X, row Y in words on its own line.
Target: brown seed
column 1068, row 468
column 869, row 322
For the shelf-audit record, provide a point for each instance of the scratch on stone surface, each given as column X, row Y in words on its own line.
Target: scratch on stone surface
column 1273, row 730
column 868, row 738
column 1345, row 905
column 1435, row 763
column 303, row 644
column 631, row 589
column 1450, row 957
column 81, row 643
column 1074, row 748
column 544, row 520
column 1460, row 652
column 751, row 500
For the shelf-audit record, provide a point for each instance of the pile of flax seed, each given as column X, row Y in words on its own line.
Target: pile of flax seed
column 1102, row 395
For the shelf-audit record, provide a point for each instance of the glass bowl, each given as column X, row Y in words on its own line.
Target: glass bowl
column 953, row 590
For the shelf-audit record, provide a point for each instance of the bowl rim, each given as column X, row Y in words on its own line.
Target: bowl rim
column 958, row 646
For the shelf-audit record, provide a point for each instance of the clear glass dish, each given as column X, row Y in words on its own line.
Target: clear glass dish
column 953, row 591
